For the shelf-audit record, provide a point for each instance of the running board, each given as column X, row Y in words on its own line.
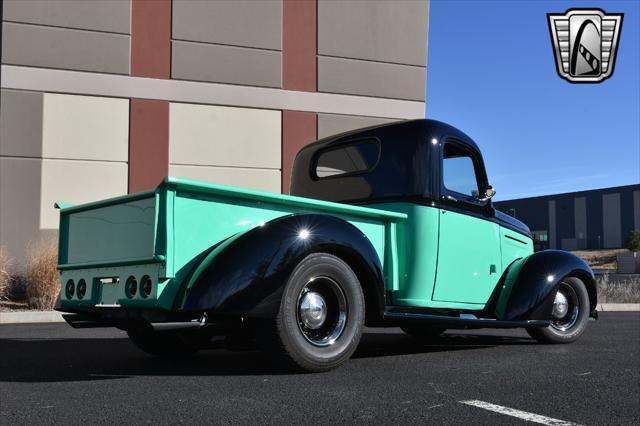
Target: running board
column 168, row 326
column 88, row 321
column 462, row 321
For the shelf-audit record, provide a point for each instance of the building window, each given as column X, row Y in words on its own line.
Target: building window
column 351, row 159
column 540, row 236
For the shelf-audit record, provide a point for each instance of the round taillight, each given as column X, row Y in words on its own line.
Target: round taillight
column 131, row 287
column 82, row 288
column 70, row 289
column 146, row 286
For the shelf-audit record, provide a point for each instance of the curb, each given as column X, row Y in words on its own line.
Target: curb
column 30, row 317
column 35, row 317
column 618, row 307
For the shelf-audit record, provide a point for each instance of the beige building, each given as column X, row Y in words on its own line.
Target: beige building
column 104, row 97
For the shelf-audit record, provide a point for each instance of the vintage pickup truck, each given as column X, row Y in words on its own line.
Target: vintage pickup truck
column 388, row 226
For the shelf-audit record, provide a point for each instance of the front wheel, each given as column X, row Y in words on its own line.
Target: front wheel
column 321, row 315
column 569, row 316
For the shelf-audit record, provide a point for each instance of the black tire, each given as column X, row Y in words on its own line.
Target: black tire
column 290, row 338
column 165, row 344
column 423, row 333
column 569, row 327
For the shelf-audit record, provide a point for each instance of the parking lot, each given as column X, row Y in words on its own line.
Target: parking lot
column 54, row 373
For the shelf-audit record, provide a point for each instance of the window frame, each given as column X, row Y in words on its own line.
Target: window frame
column 342, row 145
column 478, row 169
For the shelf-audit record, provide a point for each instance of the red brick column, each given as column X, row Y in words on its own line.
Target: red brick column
column 299, row 72
column 149, row 119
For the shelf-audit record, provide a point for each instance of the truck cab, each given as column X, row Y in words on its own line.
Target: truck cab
column 434, row 174
column 388, row 226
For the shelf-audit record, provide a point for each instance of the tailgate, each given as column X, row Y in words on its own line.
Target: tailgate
column 110, row 250
column 123, row 231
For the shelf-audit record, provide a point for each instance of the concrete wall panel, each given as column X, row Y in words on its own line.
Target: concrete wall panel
column 95, row 84
column 100, row 15
column 51, row 47
column 237, row 23
column 386, row 31
column 299, row 46
column 299, row 128
column 611, row 221
column 259, row 179
column 552, row 224
column 580, row 221
column 224, row 136
column 148, row 144
column 332, row 124
column 151, row 38
column 636, row 210
column 30, row 186
column 225, row 64
column 20, row 123
column 78, row 182
column 20, row 207
column 337, row 75
column 85, row 127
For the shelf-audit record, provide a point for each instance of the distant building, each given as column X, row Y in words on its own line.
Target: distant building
column 595, row 219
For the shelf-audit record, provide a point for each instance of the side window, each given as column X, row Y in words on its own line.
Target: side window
column 353, row 158
column 459, row 174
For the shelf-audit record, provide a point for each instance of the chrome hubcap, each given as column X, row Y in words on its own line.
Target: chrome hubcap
column 566, row 308
column 560, row 305
column 322, row 311
column 313, row 310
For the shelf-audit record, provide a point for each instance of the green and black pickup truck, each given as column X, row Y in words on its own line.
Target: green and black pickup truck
column 388, row 226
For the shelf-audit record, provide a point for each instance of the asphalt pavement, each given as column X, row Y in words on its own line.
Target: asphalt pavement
column 51, row 373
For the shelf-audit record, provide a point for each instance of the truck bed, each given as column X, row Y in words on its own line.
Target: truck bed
column 158, row 234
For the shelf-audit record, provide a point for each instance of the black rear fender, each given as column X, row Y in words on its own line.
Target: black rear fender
column 246, row 277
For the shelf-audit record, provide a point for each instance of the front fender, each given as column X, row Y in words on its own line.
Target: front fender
column 246, row 276
column 529, row 284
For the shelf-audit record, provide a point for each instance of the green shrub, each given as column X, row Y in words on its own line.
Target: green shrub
column 633, row 241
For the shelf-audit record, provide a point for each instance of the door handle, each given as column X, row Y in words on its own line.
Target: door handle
column 451, row 198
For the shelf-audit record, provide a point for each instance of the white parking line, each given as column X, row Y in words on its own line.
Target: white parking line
column 530, row 417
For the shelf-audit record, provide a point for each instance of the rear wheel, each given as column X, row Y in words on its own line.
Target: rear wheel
column 170, row 344
column 569, row 316
column 321, row 315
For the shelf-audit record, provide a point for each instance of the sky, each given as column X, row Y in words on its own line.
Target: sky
column 491, row 73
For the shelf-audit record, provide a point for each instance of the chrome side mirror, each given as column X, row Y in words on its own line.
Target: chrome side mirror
column 488, row 194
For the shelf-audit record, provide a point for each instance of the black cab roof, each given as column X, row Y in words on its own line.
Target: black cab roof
column 388, row 161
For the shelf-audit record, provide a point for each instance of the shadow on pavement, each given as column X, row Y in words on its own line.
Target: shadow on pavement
column 387, row 344
column 61, row 360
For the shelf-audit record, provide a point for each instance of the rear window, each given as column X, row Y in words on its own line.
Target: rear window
column 349, row 159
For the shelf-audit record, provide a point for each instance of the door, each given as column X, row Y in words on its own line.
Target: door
column 469, row 241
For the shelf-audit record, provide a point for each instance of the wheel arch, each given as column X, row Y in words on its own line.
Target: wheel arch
column 246, row 275
column 527, row 288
